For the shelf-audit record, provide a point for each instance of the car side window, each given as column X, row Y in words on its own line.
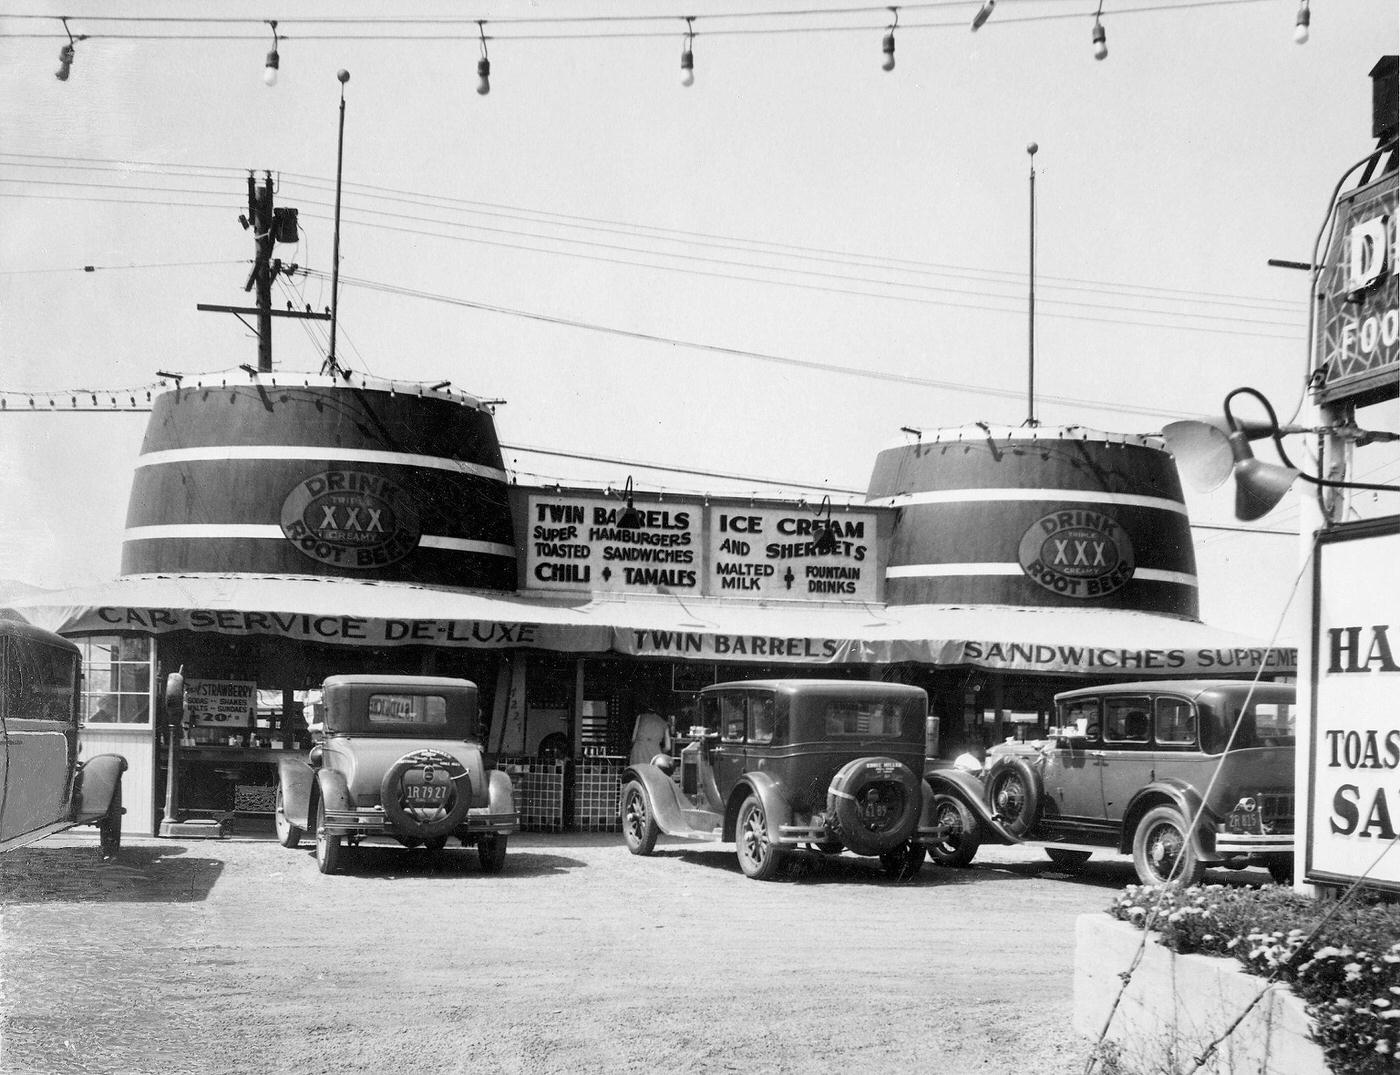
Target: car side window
column 732, row 718
column 1175, row 721
column 1125, row 720
column 761, row 714
column 1080, row 719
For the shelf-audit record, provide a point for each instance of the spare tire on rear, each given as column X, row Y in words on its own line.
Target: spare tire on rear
column 426, row 794
column 873, row 804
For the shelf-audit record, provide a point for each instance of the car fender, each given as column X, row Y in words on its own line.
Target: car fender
column 776, row 809
column 664, row 796
column 968, row 790
column 1185, row 798
column 96, row 783
column 500, row 793
column 334, row 790
column 297, row 780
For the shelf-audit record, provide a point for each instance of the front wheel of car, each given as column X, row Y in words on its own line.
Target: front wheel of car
column 758, row 858
column 904, row 862
column 288, row 835
column 109, row 829
column 491, row 850
column 1162, row 851
column 639, row 827
column 329, row 852
column 957, row 841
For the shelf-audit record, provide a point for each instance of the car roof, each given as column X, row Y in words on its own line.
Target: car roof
column 861, row 686
column 21, row 629
column 1189, row 688
column 398, row 682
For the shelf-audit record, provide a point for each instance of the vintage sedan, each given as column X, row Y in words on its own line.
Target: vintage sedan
column 44, row 786
column 1182, row 775
column 775, row 765
column 395, row 760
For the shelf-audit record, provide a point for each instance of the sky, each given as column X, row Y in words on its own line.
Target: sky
column 758, row 278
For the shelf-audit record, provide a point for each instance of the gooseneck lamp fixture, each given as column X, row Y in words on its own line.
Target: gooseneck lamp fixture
column 1259, row 486
column 1300, row 30
column 688, row 53
column 1100, row 37
column 825, row 543
column 483, row 65
column 274, row 61
column 983, row 14
column 65, row 56
column 887, row 46
column 630, row 518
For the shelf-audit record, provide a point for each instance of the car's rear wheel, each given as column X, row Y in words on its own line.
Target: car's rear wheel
column 329, row 852
column 904, row 862
column 828, row 847
column 758, row 858
column 288, row 835
column 957, row 842
column 1162, row 850
column 639, row 827
column 109, row 830
column 1281, row 870
column 436, row 843
column 1067, row 859
column 491, row 850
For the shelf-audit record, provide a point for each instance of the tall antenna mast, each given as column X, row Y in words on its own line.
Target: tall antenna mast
column 1030, row 388
column 330, row 364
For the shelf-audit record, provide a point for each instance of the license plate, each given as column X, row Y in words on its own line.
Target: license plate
column 1246, row 822
column 425, row 793
column 875, row 811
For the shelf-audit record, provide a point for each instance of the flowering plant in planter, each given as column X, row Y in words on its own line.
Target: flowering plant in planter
column 1345, row 966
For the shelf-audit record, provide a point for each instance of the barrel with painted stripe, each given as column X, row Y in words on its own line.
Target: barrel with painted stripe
column 1033, row 517
column 364, row 480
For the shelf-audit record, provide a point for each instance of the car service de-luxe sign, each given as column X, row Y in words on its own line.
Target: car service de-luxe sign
column 1354, row 764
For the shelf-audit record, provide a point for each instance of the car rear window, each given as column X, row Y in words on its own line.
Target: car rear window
column 877, row 720
column 414, row 709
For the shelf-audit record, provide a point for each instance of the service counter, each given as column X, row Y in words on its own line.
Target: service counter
column 222, row 780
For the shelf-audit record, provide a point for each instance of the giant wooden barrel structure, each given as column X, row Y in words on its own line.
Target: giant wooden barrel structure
column 321, row 476
column 1030, row 517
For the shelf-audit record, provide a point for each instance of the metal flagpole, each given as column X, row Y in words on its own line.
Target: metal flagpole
column 330, row 365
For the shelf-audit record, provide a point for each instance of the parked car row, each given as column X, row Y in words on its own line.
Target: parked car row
column 1182, row 775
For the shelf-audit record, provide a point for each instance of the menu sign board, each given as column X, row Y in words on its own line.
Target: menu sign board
column 574, row 543
column 1353, row 798
column 220, row 703
column 771, row 552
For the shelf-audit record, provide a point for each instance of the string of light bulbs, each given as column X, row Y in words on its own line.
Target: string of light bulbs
column 529, row 29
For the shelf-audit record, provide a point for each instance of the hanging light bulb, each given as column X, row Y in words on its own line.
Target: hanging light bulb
column 1300, row 31
column 887, row 46
column 65, row 56
column 688, row 54
column 483, row 65
column 983, row 14
column 273, row 60
column 1100, row 41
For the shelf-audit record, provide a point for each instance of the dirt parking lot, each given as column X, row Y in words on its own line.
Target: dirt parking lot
column 238, row 956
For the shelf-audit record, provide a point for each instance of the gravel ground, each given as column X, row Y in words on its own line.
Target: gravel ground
column 238, row 956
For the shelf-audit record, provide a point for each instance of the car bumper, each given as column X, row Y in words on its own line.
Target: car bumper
column 373, row 822
column 1231, row 843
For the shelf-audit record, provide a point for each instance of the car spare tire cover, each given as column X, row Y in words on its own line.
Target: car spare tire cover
column 426, row 793
column 875, row 804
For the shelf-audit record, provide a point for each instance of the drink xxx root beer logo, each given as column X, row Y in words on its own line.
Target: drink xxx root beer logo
column 1077, row 553
column 350, row 519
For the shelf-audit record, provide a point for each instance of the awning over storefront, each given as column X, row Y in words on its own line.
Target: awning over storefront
column 341, row 612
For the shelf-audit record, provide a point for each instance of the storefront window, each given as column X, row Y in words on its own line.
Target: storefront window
column 117, row 675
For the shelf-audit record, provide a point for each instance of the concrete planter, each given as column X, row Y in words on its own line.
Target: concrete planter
column 1176, row 1005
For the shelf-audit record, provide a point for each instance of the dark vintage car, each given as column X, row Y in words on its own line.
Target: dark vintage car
column 398, row 760
column 1129, row 767
column 778, row 764
column 44, row 786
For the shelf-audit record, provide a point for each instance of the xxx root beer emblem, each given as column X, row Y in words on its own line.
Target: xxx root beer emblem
column 1077, row 553
column 350, row 519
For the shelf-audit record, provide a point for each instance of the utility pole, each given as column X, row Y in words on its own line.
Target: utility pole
column 1030, row 306
column 270, row 226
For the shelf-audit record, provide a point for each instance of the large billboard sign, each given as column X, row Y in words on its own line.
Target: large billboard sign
column 1358, row 324
column 1353, row 793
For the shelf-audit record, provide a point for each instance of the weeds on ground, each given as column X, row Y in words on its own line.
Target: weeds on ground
column 1348, row 975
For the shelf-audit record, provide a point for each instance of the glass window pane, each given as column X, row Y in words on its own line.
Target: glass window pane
column 732, row 717
column 1176, row 722
column 1126, row 721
